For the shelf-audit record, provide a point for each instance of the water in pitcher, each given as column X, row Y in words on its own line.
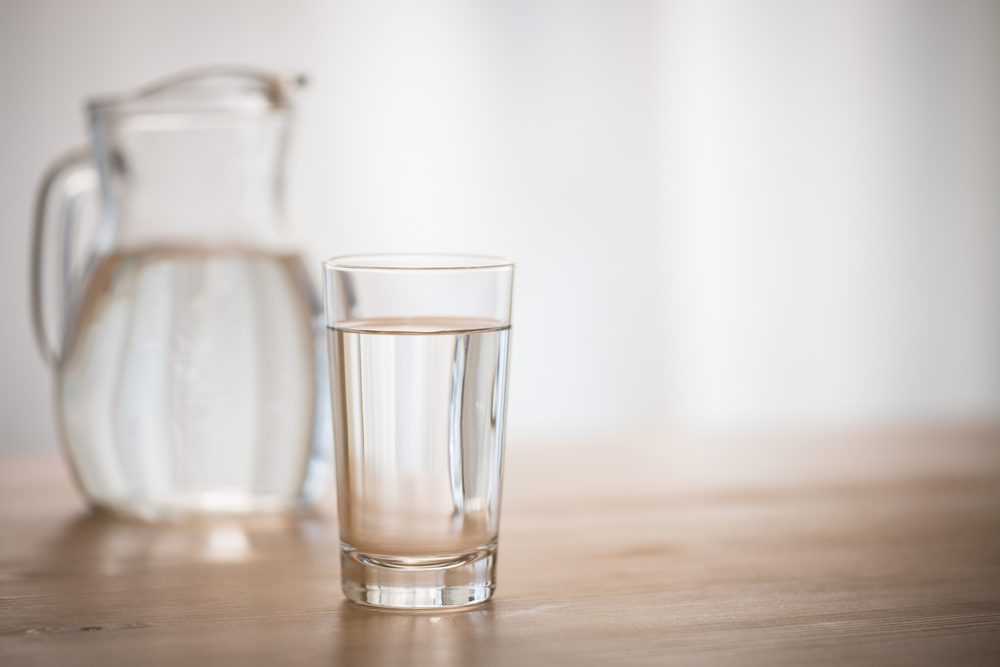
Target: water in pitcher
column 188, row 382
column 419, row 409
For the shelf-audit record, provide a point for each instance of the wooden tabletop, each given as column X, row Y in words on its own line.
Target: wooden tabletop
column 864, row 549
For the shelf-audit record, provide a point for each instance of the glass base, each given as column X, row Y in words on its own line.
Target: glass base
column 418, row 583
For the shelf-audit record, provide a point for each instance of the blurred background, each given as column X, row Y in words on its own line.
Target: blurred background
column 728, row 216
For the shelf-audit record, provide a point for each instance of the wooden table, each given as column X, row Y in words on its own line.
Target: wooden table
column 868, row 549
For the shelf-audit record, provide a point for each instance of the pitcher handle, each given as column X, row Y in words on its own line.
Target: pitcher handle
column 72, row 177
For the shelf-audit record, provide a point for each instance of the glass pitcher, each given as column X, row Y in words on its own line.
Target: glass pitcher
column 190, row 369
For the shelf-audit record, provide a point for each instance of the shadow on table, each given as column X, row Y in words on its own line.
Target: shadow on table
column 100, row 542
column 273, row 578
column 376, row 637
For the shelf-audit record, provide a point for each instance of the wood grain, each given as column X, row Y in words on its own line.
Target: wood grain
column 876, row 549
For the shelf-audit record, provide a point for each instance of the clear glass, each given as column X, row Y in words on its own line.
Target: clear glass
column 190, row 369
column 419, row 351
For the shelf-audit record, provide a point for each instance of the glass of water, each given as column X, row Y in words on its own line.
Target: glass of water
column 419, row 349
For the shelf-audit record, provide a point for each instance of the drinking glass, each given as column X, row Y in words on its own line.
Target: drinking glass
column 419, row 348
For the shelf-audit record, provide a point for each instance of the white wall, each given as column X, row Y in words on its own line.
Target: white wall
column 830, row 196
column 518, row 129
column 725, row 213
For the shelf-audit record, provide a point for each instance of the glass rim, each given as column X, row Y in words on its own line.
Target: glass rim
column 417, row 262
